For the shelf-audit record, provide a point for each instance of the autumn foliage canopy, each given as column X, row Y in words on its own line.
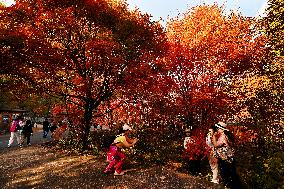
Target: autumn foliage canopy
column 108, row 64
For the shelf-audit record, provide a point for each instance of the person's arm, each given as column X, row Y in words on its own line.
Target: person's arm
column 129, row 144
column 129, row 140
column 214, row 140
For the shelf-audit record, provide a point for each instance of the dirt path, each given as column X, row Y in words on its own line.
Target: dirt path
column 37, row 167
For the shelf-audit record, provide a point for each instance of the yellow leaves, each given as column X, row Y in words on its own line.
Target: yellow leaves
column 249, row 84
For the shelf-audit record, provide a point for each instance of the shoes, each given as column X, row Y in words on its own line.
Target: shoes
column 118, row 174
column 215, row 181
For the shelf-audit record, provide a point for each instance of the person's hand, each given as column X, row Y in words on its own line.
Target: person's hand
column 135, row 140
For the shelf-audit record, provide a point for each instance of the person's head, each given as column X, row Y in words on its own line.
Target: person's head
column 16, row 118
column 213, row 128
column 187, row 132
column 125, row 129
column 221, row 126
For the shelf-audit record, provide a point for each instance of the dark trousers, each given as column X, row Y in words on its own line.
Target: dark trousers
column 229, row 174
column 28, row 137
column 192, row 166
column 45, row 133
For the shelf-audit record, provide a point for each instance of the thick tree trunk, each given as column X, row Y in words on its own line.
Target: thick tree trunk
column 89, row 107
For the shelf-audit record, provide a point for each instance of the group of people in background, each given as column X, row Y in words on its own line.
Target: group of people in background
column 21, row 130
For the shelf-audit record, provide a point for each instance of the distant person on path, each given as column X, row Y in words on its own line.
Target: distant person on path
column 213, row 161
column 27, row 132
column 114, row 155
column 53, row 127
column 59, row 132
column 223, row 143
column 45, row 127
column 14, row 132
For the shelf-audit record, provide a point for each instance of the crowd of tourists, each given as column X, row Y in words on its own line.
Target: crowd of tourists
column 21, row 130
column 219, row 141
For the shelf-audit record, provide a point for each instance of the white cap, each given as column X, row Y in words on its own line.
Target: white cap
column 125, row 127
column 221, row 125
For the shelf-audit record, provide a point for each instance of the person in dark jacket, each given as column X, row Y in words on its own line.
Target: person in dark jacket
column 27, row 132
column 45, row 127
column 53, row 127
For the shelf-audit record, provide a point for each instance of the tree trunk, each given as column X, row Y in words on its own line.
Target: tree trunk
column 89, row 107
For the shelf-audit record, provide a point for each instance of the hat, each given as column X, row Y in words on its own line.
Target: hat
column 187, row 130
column 125, row 127
column 221, row 125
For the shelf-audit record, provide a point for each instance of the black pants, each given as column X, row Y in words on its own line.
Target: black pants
column 192, row 166
column 28, row 137
column 229, row 174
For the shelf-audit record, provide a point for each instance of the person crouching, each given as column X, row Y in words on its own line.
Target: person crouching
column 114, row 155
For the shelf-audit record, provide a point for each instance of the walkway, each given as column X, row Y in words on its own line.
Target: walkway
column 36, row 138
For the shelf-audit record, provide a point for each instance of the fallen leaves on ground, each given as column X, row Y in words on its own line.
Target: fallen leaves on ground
column 38, row 167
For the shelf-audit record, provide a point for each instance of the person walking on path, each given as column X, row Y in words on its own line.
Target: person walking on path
column 213, row 161
column 14, row 132
column 27, row 132
column 114, row 155
column 223, row 143
column 45, row 127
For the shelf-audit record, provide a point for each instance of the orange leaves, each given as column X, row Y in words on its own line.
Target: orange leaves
column 206, row 48
column 205, row 33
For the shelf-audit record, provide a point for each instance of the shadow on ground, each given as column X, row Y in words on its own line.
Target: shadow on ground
column 38, row 167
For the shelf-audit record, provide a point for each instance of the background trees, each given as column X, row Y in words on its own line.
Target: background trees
column 81, row 52
column 107, row 65
column 208, row 50
column 274, row 25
